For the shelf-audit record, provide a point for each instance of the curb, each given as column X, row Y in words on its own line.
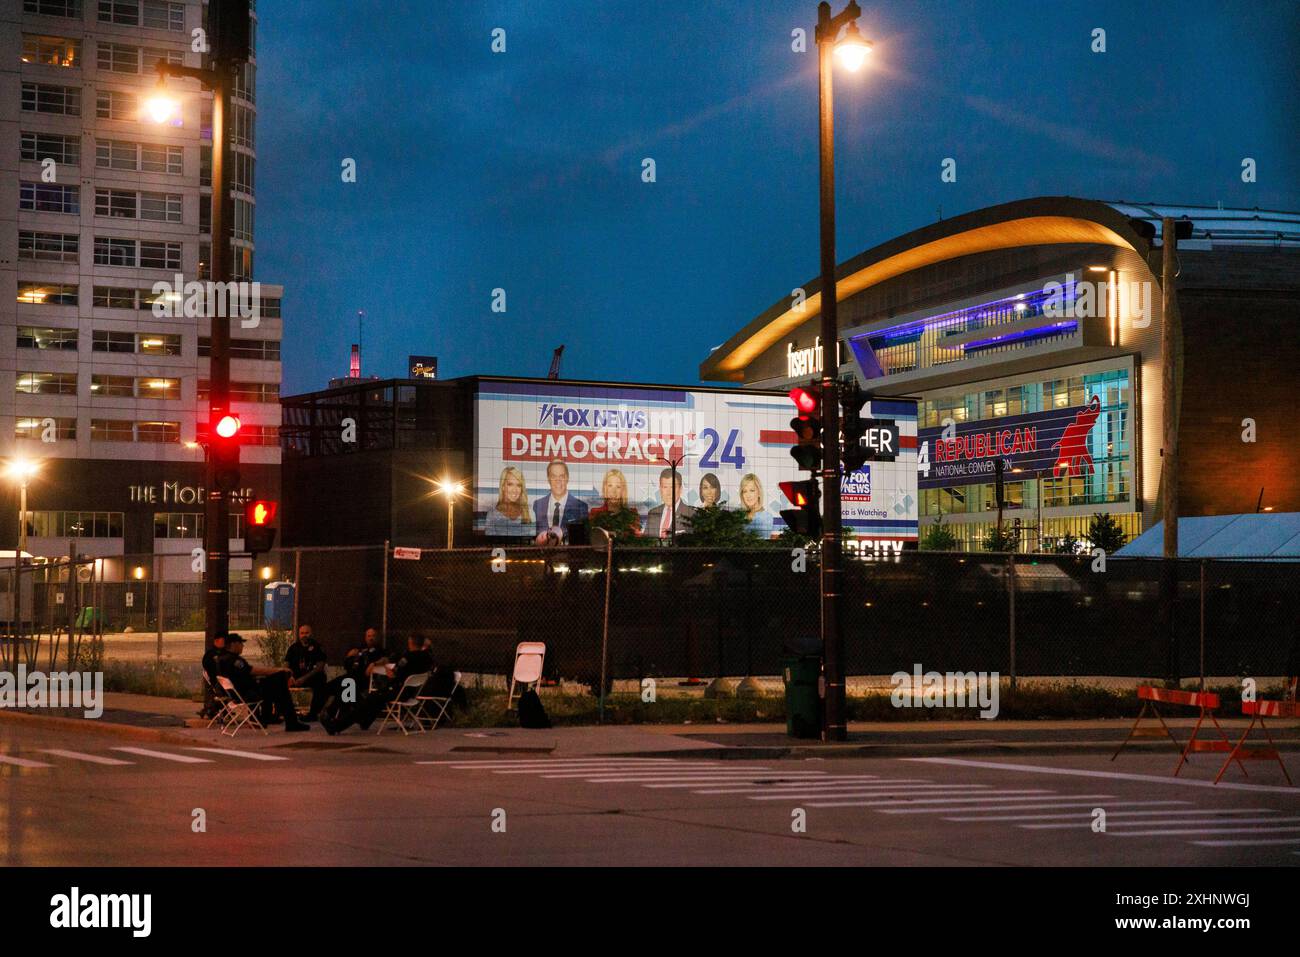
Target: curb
column 946, row 749
column 95, row 726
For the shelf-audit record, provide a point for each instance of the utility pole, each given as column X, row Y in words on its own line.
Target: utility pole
column 1169, row 338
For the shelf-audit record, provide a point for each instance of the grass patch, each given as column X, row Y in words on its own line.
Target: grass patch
column 159, row 680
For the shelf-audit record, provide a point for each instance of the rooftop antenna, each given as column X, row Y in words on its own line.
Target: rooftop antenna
column 555, row 363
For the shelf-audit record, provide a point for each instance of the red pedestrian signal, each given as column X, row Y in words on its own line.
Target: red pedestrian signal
column 805, row 518
column 259, row 532
column 228, row 426
column 807, row 426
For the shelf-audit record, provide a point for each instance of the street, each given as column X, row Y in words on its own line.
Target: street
column 72, row 798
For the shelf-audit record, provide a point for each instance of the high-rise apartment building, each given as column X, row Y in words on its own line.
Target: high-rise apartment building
column 97, row 206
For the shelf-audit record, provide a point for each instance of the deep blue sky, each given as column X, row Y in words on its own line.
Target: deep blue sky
column 522, row 170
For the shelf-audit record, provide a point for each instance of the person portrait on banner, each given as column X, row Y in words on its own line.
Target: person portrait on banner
column 555, row 511
column 511, row 516
column 659, row 521
column 710, row 490
column 615, row 515
column 751, row 499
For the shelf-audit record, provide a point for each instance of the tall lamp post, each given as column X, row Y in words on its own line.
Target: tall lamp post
column 452, row 490
column 19, row 470
column 229, row 33
column 851, row 50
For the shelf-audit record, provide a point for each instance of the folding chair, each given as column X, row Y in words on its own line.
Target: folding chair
column 1258, row 711
column 428, row 721
column 239, row 711
column 222, row 702
column 529, row 656
column 404, row 709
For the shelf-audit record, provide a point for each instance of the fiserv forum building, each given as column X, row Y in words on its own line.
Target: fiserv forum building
column 1031, row 331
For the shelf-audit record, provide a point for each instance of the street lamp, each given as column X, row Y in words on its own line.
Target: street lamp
column 452, row 490
column 851, row 50
column 1038, row 497
column 20, row 470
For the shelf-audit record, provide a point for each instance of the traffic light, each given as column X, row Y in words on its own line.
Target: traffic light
column 805, row 518
column 852, row 399
column 807, row 426
column 223, row 448
column 259, row 530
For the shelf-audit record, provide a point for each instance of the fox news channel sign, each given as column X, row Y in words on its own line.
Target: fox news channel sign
column 734, row 449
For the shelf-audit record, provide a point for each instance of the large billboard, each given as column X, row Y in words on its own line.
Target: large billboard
column 548, row 454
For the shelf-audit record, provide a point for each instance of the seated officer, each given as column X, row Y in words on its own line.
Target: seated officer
column 306, row 661
column 416, row 660
column 210, row 669
column 357, row 664
column 267, row 685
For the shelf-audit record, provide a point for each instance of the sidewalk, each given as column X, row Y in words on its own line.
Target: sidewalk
column 174, row 719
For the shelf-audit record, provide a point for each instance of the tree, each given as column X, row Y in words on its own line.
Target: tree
column 1000, row 539
column 715, row 526
column 1067, row 544
column 621, row 524
column 1105, row 533
column 939, row 538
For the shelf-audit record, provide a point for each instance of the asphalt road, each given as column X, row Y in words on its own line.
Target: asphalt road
column 83, row 799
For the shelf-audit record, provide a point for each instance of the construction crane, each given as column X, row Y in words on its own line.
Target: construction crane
column 555, row 363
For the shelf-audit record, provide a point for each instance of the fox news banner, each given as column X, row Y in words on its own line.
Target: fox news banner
column 732, row 448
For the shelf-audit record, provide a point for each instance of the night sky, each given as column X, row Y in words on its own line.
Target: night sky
column 522, row 170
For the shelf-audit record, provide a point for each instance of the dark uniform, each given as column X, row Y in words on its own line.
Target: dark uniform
column 210, row 669
column 335, row 713
column 411, row 663
column 271, row 690
column 302, row 659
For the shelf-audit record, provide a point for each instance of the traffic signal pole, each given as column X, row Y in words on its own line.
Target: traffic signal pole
column 834, row 726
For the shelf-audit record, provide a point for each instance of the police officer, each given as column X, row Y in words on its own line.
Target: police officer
column 417, row 660
column 268, row 685
column 358, row 664
column 210, row 657
column 306, row 661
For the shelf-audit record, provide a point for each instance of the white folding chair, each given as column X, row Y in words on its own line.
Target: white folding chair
column 529, row 657
column 403, row 709
column 429, row 721
column 222, row 702
column 239, row 711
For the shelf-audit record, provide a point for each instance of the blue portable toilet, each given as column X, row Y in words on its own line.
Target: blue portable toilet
column 277, row 605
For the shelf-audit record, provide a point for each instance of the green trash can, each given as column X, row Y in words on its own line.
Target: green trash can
column 802, row 674
column 87, row 617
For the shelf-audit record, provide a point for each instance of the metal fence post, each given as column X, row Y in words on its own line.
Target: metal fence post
column 1011, row 609
column 604, row 642
column 383, row 611
column 297, row 585
column 1202, row 684
column 158, row 581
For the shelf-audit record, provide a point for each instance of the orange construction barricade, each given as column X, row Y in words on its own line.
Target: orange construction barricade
column 1207, row 702
column 1258, row 711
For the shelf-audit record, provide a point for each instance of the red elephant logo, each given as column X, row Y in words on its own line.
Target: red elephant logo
column 1074, row 455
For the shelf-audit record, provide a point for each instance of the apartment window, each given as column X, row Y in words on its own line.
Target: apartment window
column 75, row 524
column 49, row 198
column 104, row 341
column 51, row 51
column 243, row 226
column 244, row 83
column 113, row 297
column 264, row 435
column 46, row 383
column 241, row 127
column 112, row 430
column 160, row 207
column 242, row 172
column 48, row 247
column 116, row 154
column 120, row 11
column 41, row 146
column 117, row 57
column 47, row 293
column 162, row 159
column 34, row 428
column 205, row 165
column 47, row 337
column 153, row 56
column 160, row 344
column 159, row 255
column 177, row 524
column 270, row 308
column 153, row 387
column 266, row 349
column 53, row 8
column 158, row 432
column 114, row 252
column 241, row 262
column 48, row 98
column 205, row 217
column 116, row 202
column 243, row 391
column 162, row 15
column 115, row 105
column 112, row 387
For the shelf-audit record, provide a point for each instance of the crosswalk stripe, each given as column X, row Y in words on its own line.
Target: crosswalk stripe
column 1109, row 813
column 1217, row 830
column 165, row 756
column 588, row 768
column 546, row 762
column 828, row 785
column 1019, row 794
column 23, row 762
column 251, row 755
column 1110, row 775
column 81, row 756
column 1250, row 842
column 1003, row 805
column 1179, row 823
column 950, row 791
column 701, row 776
column 561, row 773
column 671, row 785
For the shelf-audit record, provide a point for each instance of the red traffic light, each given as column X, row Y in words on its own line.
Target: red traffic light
column 805, row 400
column 260, row 513
column 795, row 493
column 228, row 426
